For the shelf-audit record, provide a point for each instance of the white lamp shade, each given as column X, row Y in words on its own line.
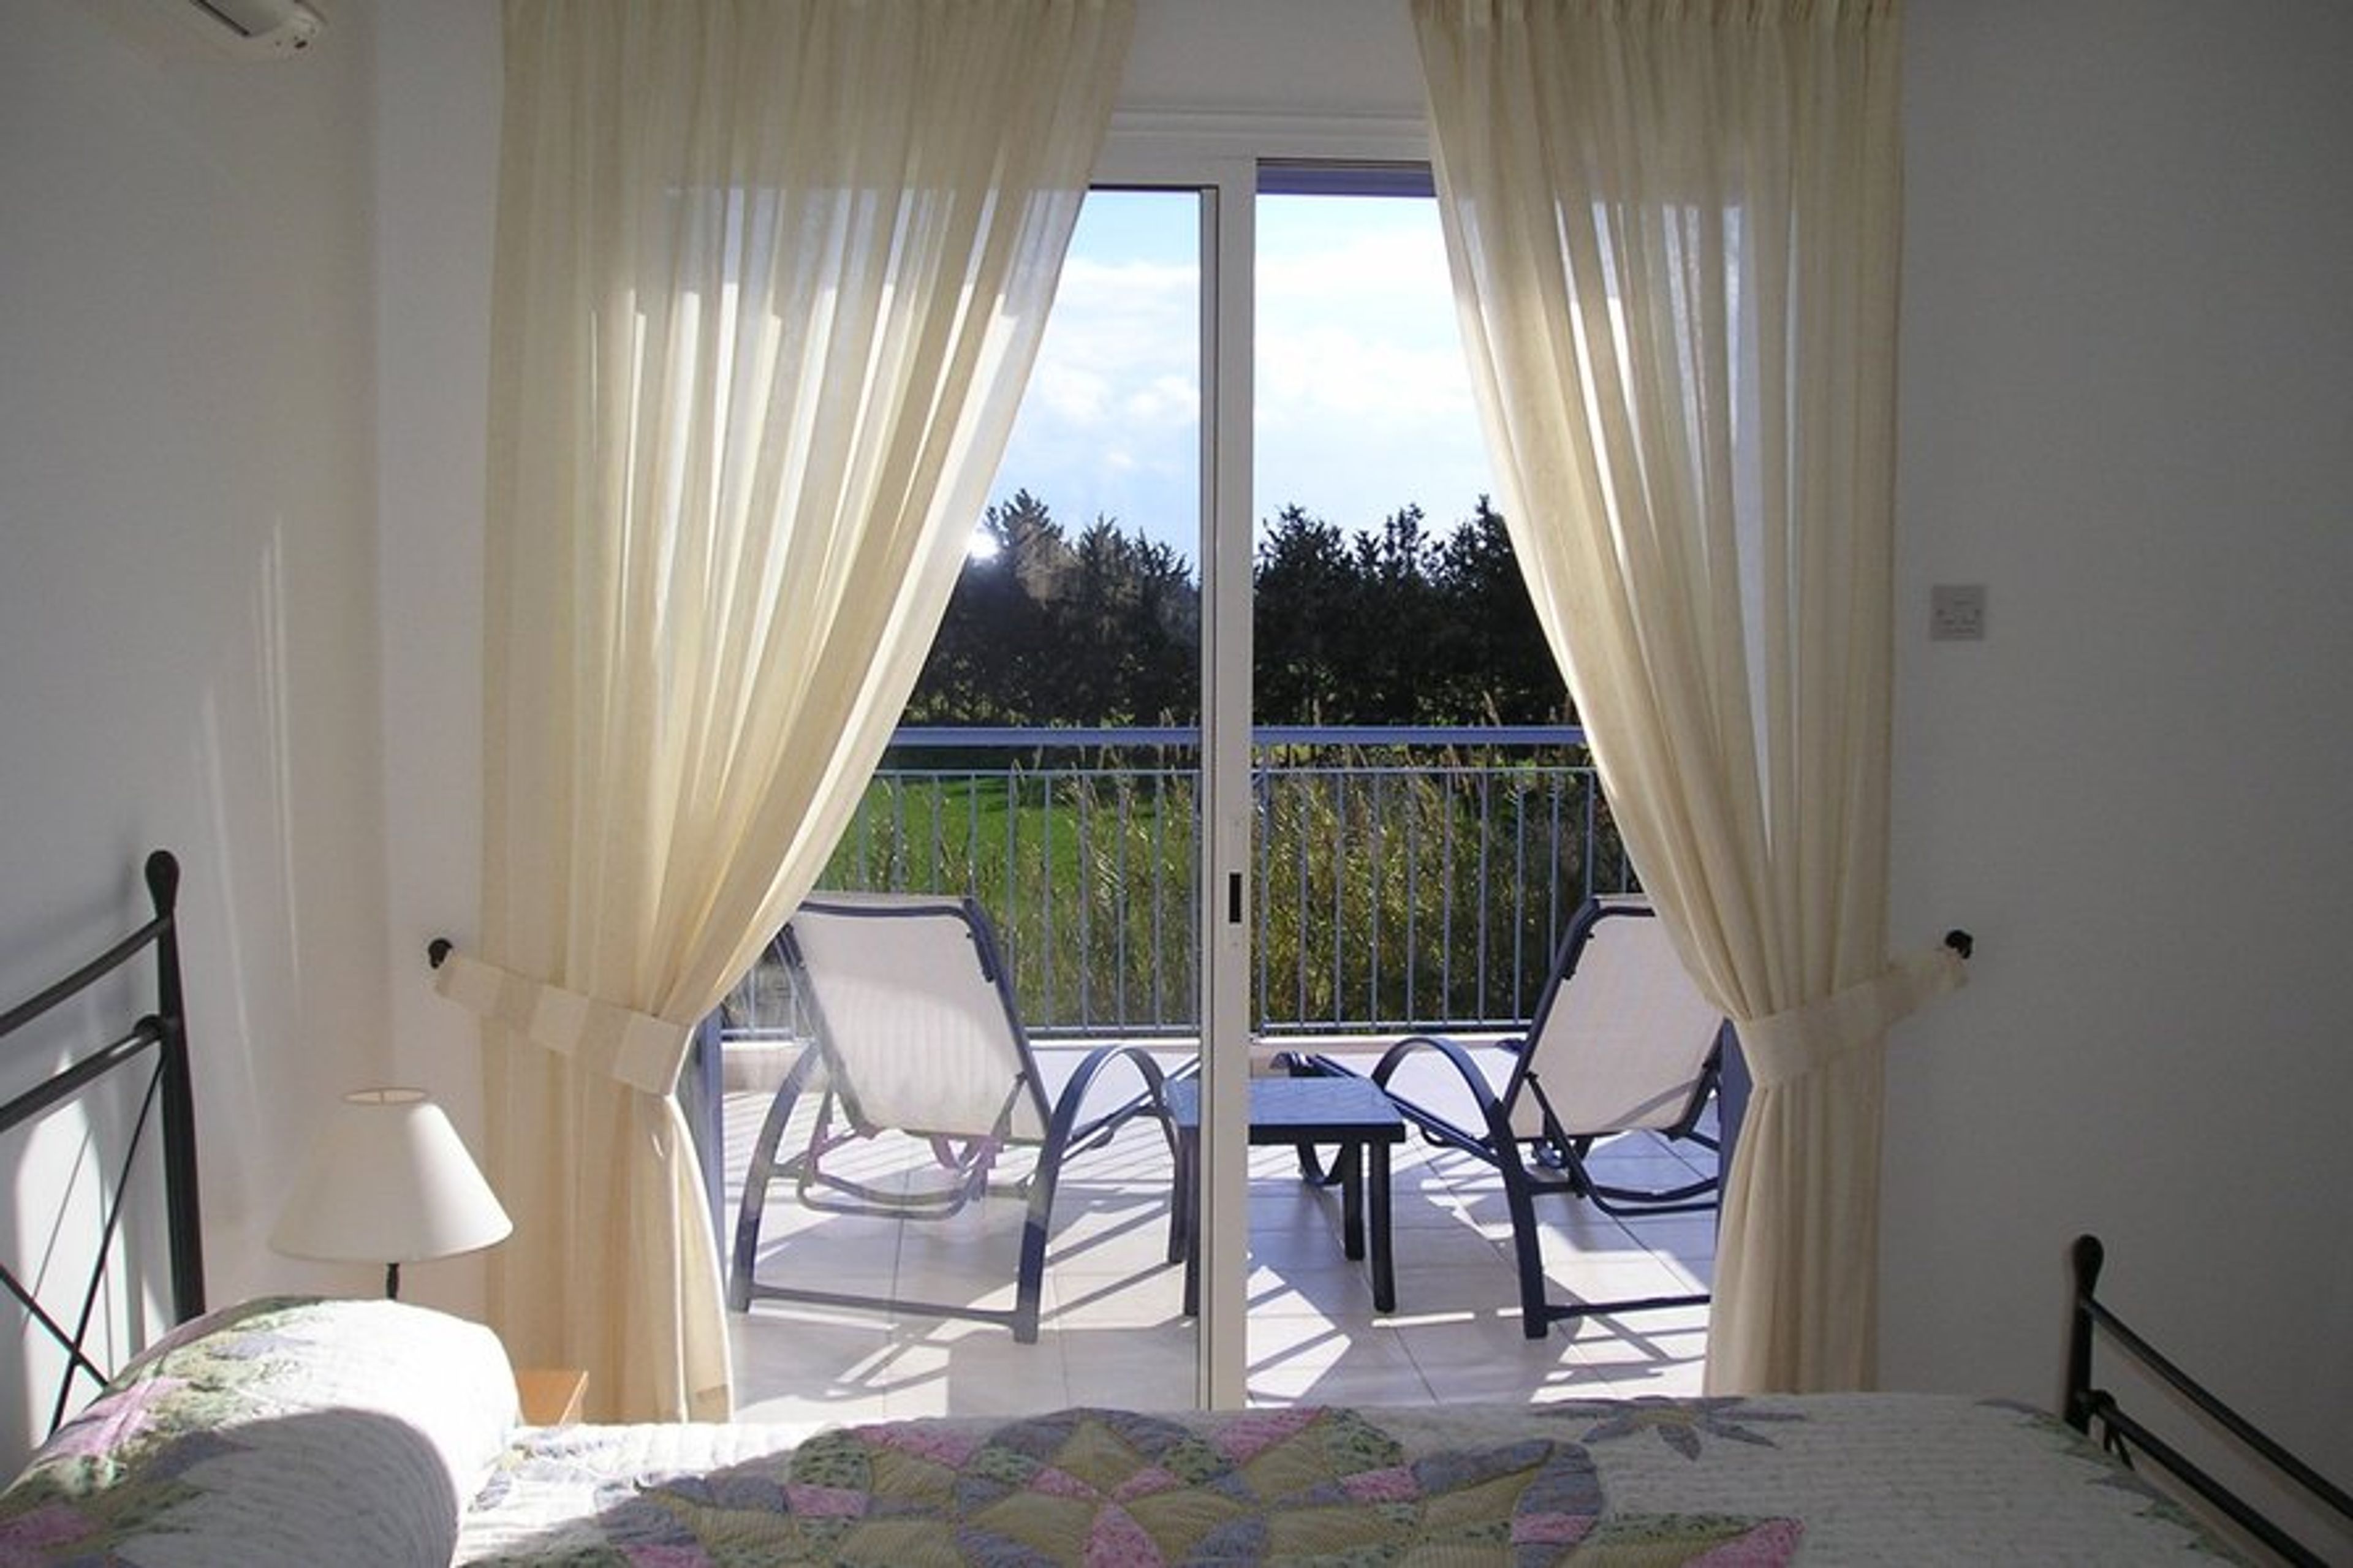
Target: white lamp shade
column 389, row 1181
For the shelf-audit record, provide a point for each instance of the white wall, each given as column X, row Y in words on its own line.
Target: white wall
column 1344, row 57
column 188, row 573
column 436, row 186
column 2127, row 335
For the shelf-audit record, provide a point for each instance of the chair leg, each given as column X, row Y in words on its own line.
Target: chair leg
column 756, row 1180
column 1061, row 1134
column 1527, row 1252
column 1184, row 1189
column 1498, row 1149
column 1030, row 1282
column 1184, row 1196
column 1312, row 1168
column 1314, row 1171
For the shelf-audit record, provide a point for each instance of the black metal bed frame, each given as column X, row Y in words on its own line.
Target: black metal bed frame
column 168, row 1096
column 2121, row 1435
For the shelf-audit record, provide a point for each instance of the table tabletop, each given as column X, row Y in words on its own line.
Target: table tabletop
column 1284, row 1109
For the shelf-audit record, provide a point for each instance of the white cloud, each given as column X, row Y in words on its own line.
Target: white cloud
column 1166, row 401
column 1308, row 373
column 1076, row 395
column 1364, row 400
column 1117, row 328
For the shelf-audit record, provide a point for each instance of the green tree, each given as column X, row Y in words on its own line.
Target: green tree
column 992, row 640
column 1490, row 645
column 1044, row 629
column 1391, row 643
column 1397, row 624
column 1305, row 593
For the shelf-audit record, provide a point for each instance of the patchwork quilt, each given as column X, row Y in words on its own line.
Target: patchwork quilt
column 322, row 1432
column 1726, row 1483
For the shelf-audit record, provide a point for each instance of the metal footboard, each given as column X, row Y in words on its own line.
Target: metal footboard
column 2095, row 1412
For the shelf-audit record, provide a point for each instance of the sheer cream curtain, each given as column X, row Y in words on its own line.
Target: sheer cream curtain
column 770, row 276
column 1674, row 229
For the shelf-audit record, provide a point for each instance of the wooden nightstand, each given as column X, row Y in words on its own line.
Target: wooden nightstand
column 550, row 1396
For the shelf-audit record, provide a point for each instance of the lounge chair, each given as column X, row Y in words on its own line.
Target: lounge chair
column 915, row 1032
column 1621, row 1041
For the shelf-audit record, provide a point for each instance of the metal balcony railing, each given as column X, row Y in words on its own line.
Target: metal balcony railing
column 1407, row 879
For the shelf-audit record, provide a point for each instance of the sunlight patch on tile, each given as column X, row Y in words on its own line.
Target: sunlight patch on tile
column 1112, row 1331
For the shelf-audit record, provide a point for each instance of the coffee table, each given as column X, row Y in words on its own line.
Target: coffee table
column 1351, row 1114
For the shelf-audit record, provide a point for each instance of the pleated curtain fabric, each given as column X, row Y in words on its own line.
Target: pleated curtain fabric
column 770, row 277
column 1673, row 229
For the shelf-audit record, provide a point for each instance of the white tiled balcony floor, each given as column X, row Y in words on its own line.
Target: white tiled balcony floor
column 1112, row 1331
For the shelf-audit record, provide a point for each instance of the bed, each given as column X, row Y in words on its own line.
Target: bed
column 295, row 1430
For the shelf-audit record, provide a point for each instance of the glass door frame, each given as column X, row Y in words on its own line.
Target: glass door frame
column 1217, row 155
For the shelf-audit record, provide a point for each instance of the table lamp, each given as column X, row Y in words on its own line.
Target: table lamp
column 390, row 1182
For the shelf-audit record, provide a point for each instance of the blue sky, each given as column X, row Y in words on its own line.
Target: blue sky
column 1362, row 403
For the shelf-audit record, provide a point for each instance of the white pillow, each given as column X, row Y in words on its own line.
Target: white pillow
column 280, row 1431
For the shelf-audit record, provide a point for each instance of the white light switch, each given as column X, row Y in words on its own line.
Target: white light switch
column 1956, row 612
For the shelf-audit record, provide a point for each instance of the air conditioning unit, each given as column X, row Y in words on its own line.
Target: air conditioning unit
column 253, row 30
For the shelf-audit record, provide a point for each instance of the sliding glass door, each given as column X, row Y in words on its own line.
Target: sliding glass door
column 1228, row 375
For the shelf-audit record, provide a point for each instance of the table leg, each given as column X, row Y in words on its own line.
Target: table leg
column 1350, row 1158
column 1384, row 1265
column 1184, row 1203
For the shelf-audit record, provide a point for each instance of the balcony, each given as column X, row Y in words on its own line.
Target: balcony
column 1409, row 881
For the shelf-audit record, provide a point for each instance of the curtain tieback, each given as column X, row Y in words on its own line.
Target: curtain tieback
column 1784, row 1046
column 633, row 1047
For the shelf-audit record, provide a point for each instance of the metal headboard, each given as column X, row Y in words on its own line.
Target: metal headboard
column 159, row 1041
